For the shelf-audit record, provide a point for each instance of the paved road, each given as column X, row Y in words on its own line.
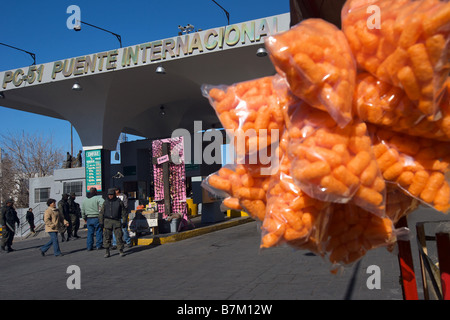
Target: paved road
column 223, row 265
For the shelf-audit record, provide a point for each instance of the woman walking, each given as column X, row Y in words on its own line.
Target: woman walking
column 54, row 223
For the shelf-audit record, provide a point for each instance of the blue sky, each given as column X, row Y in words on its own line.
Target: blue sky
column 40, row 27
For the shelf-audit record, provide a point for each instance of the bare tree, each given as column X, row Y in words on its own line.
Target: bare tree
column 31, row 155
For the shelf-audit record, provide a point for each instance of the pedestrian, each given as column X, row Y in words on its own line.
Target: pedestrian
column 126, row 235
column 111, row 217
column 8, row 220
column 74, row 215
column 63, row 207
column 90, row 209
column 30, row 219
column 54, row 222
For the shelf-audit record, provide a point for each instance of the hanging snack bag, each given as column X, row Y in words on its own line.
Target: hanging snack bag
column 381, row 103
column 405, row 43
column 250, row 112
column 317, row 62
column 419, row 166
column 242, row 187
column 331, row 163
column 292, row 216
column 352, row 232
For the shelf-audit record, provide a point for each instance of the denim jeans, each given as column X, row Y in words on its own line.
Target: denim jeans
column 93, row 227
column 53, row 241
column 126, row 237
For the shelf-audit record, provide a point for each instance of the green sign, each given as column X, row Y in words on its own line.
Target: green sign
column 93, row 164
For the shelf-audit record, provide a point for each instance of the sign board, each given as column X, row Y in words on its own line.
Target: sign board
column 93, row 164
column 186, row 45
column 152, row 219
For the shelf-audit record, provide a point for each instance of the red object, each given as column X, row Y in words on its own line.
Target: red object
column 408, row 276
column 443, row 249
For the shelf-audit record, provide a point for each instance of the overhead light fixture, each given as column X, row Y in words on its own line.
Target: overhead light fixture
column 261, row 52
column 76, row 86
column 160, row 70
column 162, row 111
column 2, row 95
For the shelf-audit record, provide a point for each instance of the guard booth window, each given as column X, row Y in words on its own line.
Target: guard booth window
column 73, row 186
column 41, row 194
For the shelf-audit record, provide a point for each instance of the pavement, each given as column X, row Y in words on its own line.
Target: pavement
column 220, row 261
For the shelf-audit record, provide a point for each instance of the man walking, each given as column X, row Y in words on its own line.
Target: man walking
column 63, row 207
column 30, row 220
column 126, row 235
column 8, row 220
column 113, row 218
column 74, row 215
column 90, row 209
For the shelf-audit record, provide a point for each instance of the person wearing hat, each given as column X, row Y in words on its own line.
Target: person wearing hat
column 112, row 218
column 74, row 215
column 8, row 220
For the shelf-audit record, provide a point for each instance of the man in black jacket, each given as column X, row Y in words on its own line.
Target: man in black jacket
column 111, row 214
column 63, row 207
column 8, row 220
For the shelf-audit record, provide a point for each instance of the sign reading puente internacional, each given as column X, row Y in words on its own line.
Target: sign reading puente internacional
column 217, row 39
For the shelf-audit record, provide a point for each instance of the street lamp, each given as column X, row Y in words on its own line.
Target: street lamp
column 30, row 53
column 226, row 12
column 78, row 28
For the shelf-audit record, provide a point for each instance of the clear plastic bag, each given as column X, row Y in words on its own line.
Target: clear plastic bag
column 317, row 62
column 419, row 166
column 242, row 187
column 250, row 112
column 292, row 217
column 384, row 104
column 332, row 163
column 352, row 232
column 410, row 48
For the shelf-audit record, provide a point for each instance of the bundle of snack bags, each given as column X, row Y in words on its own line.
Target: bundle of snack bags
column 358, row 121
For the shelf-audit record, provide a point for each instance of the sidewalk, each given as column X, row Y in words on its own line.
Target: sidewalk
column 199, row 229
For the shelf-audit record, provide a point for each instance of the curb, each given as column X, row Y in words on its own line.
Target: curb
column 192, row 233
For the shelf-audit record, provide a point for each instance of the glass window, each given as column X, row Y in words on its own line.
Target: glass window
column 41, row 195
column 73, row 186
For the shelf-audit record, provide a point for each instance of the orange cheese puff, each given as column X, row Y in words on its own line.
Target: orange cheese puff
column 219, row 183
column 232, row 203
column 250, row 112
column 419, row 167
column 318, row 65
column 352, row 232
column 409, row 49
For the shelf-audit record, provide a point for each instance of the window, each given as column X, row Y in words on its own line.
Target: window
column 73, row 186
column 41, row 195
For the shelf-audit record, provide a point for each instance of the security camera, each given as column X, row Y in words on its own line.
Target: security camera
column 181, row 28
column 77, row 27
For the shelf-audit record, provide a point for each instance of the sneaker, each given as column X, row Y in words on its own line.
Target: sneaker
column 107, row 255
column 42, row 252
column 121, row 253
